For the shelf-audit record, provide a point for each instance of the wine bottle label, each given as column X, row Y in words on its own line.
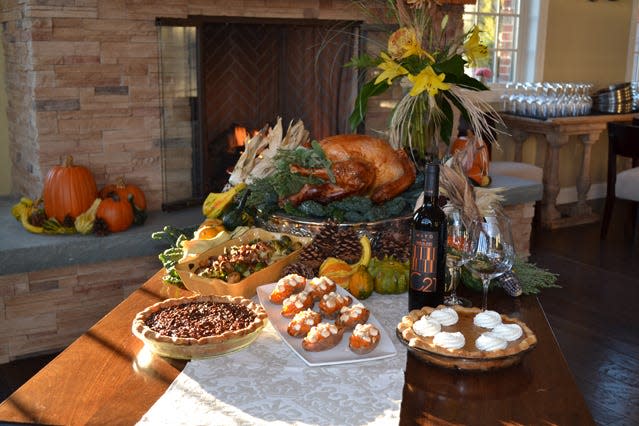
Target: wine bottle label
column 423, row 268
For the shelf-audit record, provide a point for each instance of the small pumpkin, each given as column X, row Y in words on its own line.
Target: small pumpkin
column 116, row 212
column 125, row 190
column 69, row 190
column 475, row 159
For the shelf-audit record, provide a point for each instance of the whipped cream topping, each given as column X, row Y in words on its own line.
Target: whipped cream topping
column 426, row 326
column 487, row 319
column 488, row 342
column 445, row 316
column 508, row 332
column 449, row 341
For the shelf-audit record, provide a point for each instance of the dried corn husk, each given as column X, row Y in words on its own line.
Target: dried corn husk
column 257, row 160
column 473, row 202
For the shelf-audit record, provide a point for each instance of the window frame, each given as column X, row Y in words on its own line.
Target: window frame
column 531, row 42
column 632, row 64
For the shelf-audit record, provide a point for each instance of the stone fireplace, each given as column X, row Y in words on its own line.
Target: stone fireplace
column 83, row 78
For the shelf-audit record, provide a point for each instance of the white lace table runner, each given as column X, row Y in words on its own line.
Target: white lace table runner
column 267, row 383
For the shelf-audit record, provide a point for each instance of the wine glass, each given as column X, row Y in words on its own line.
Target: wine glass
column 457, row 238
column 491, row 252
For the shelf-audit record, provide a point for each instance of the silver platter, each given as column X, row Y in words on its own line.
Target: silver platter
column 399, row 227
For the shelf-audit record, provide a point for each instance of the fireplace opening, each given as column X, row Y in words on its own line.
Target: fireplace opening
column 220, row 79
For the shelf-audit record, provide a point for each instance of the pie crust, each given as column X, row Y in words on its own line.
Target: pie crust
column 202, row 347
column 468, row 357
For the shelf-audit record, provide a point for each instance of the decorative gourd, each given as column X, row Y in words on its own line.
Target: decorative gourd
column 68, row 190
column 361, row 283
column 391, row 276
column 116, row 212
column 124, row 190
column 477, row 169
column 339, row 271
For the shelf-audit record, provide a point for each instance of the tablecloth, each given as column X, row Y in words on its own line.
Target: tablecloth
column 268, row 384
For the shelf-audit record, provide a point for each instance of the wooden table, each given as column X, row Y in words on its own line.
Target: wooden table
column 557, row 132
column 99, row 379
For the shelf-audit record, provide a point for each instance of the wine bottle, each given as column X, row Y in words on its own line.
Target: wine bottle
column 428, row 247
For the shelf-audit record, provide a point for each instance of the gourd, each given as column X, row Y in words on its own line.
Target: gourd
column 340, row 271
column 69, row 190
column 115, row 212
column 391, row 276
column 477, row 170
column 129, row 192
column 361, row 283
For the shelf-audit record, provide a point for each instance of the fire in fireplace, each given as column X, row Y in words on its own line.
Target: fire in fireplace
column 215, row 74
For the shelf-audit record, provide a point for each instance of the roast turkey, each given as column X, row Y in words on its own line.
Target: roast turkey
column 361, row 165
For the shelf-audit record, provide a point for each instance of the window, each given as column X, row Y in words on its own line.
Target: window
column 633, row 57
column 512, row 30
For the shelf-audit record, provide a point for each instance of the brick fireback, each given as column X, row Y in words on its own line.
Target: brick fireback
column 82, row 79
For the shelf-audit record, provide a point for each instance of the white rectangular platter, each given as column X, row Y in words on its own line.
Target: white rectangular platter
column 340, row 354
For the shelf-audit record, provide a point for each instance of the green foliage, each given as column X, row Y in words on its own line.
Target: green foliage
column 170, row 256
column 361, row 103
column 531, row 278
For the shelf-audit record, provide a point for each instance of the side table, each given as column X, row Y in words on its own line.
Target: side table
column 557, row 132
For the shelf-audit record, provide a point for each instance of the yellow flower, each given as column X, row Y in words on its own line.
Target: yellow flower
column 404, row 43
column 473, row 49
column 429, row 81
column 390, row 70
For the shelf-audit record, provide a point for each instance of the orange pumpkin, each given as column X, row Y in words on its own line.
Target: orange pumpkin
column 124, row 190
column 116, row 212
column 477, row 169
column 68, row 190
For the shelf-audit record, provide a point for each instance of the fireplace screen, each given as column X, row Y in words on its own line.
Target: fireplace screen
column 220, row 79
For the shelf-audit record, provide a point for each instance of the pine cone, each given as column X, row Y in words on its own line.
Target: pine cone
column 68, row 222
column 100, row 227
column 37, row 217
column 300, row 268
column 391, row 244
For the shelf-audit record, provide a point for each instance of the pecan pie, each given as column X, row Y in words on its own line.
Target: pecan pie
column 199, row 326
column 465, row 338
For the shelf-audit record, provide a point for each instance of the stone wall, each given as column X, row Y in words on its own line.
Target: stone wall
column 44, row 311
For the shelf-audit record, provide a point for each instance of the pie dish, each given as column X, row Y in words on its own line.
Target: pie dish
column 199, row 326
column 467, row 357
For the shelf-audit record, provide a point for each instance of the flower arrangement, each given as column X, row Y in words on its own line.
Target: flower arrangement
column 432, row 70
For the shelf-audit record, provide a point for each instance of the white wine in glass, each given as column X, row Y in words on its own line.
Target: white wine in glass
column 491, row 252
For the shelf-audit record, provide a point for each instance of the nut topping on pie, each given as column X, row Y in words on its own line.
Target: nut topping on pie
column 199, row 326
column 200, row 319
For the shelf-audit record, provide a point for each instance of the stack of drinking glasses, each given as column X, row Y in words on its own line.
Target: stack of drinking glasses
column 547, row 100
